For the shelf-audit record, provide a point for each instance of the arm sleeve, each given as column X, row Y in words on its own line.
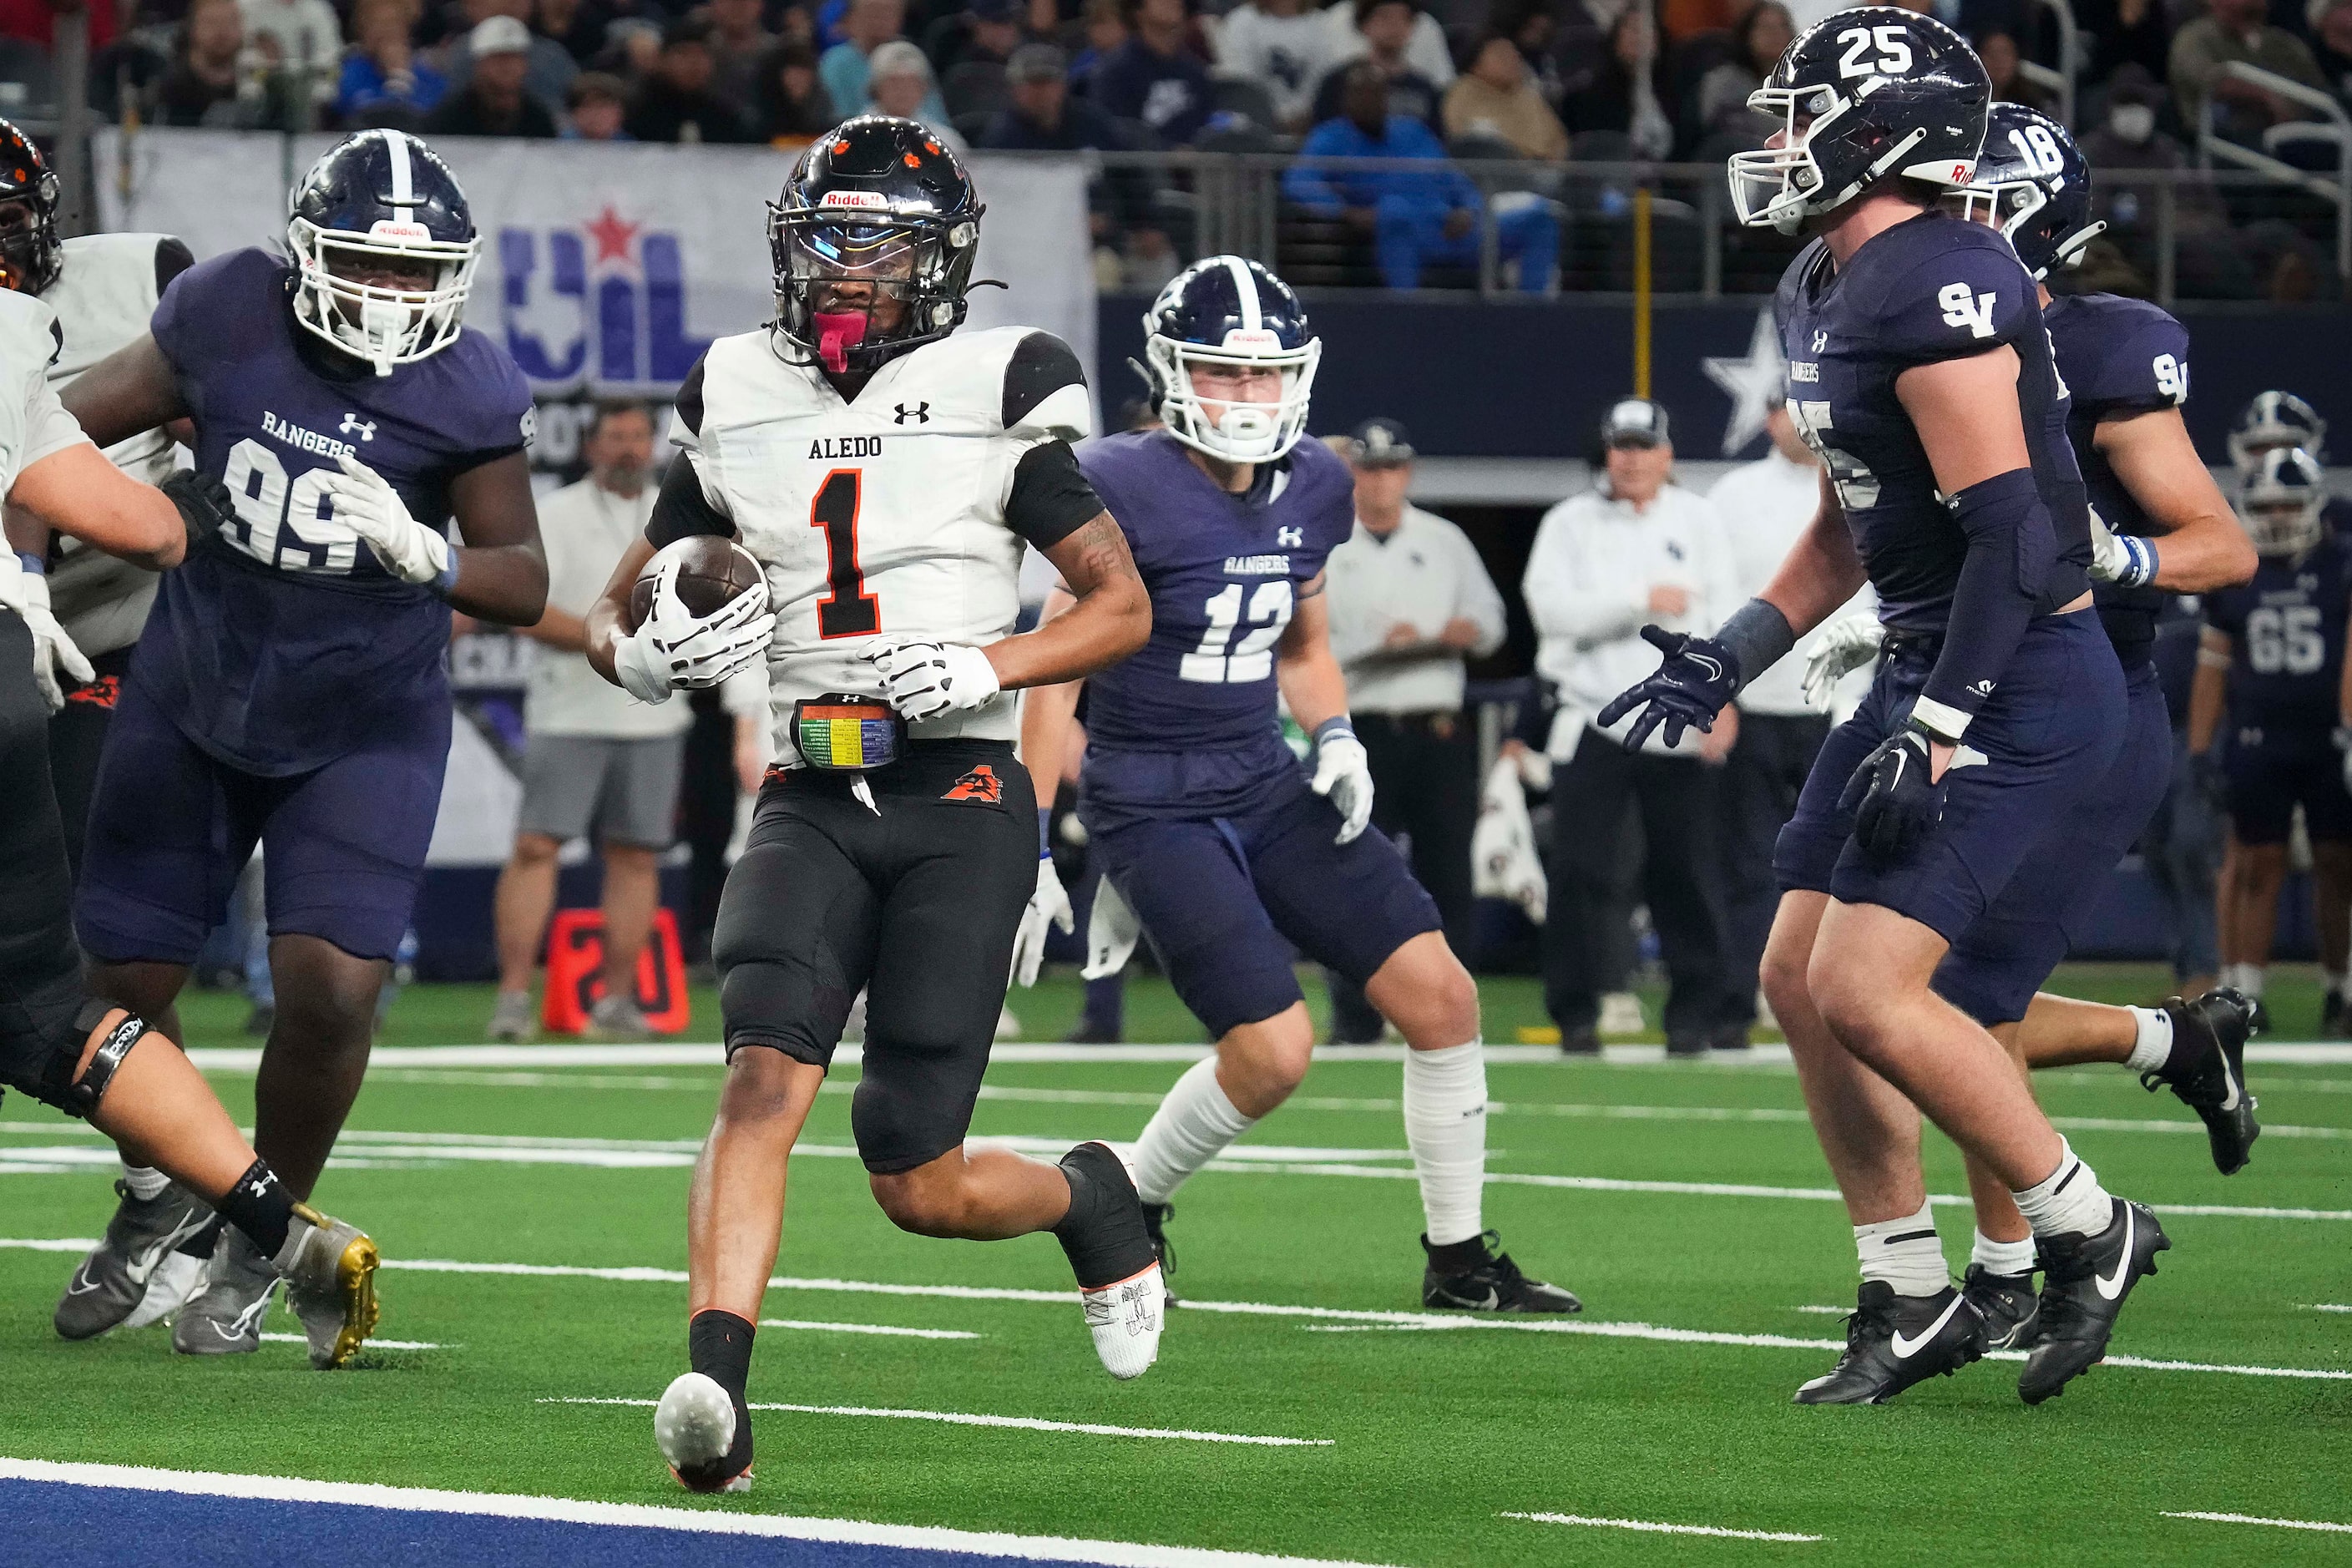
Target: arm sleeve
column 1050, row 499
column 683, row 509
column 1044, row 392
column 2012, row 545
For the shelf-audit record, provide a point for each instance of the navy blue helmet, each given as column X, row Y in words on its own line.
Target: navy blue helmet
column 1222, row 317
column 2282, row 501
column 1860, row 96
column 30, row 252
column 383, row 249
column 2275, row 419
column 879, row 211
column 2034, row 185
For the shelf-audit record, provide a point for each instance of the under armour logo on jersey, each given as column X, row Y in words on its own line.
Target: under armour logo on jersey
column 1965, row 308
column 353, row 425
column 921, row 413
column 1290, row 538
column 1674, row 550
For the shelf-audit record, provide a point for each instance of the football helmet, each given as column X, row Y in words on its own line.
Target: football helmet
column 30, row 252
column 2033, row 185
column 2275, row 419
column 2281, row 502
column 877, row 200
column 1865, row 93
column 1228, row 311
column 381, row 200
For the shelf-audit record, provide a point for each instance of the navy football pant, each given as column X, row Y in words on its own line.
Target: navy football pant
column 171, row 827
column 2273, row 769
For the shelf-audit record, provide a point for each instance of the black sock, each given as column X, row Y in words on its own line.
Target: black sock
column 1101, row 1250
column 719, row 1346
column 201, row 1245
column 259, row 1205
column 1456, row 1257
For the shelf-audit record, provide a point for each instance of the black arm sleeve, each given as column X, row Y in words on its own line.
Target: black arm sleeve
column 2013, row 552
column 1051, row 498
column 682, row 510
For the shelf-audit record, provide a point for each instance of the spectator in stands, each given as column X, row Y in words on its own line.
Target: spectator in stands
column 866, row 25
column 1155, row 76
column 675, row 103
column 1043, row 117
column 303, row 35
column 901, row 83
column 1620, row 96
column 575, row 26
column 1498, row 97
column 2116, row 32
column 1384, row 32
column 383, row 81
column 493, row 101
column 739, row 45
column 1719, row 114
column 631, row 48
column 793, row 108
column 1426, row 50
column 2233, row 32
column 987, row 31
column 2331, row 33
column 1107, row 34
column 1412, row 217
column 1282, row 45
column 598, row 108
column 548, row 69
column 201, row 86
column 2002, row 61
column 595, row 762
column 2125, row 260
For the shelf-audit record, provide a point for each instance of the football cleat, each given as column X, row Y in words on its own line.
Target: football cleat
column 1126, row 1315
column 2084, row 1282
column 2211, row 1077
column 1155, row 1225
column 180, row 1275
column 2006, row 1302
column 112, row 1281
column 224, row 1318
column 329, row 1267
column 694, row 1426
column 2334, row 1021
column 513, row 1019
column 1893, row 1341
column 1492, row 1283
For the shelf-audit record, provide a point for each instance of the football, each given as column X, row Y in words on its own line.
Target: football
column 711, row 570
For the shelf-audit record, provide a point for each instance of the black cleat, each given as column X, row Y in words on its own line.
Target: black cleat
column 2084, row 1282
column 2209, row 1077
column 2335, row 1024
column 2007, row 1304
column 1155, row 1225
column 1579, row 1042
column 1473, row 1277
column 1893, row 1341
column 2258, row 1020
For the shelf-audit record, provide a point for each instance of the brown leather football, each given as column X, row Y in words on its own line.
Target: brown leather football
column 711, row 570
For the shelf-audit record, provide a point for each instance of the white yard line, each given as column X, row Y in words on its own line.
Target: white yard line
column 1022, row 1422
column 640, row 1516
column 1663, row 1529
column 2332, row 1306
column 883, row 1328
column 371, row 1344
column 2277, row 1523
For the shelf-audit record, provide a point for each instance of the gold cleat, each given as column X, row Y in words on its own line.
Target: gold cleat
column 330, row 1268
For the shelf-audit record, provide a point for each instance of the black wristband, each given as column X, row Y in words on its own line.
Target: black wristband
column 1758, row 636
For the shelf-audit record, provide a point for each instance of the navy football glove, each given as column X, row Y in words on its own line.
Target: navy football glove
column 1894, row 800
column 1689, row 689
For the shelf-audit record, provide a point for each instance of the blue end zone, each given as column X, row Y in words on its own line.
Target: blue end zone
column 62, row 1526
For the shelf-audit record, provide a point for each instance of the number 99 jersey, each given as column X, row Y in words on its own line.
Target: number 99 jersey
column 284, row 643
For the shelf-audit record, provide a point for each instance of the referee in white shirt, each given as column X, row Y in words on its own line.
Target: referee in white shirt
column 595, row 758
column 1411, row 601
column 1637, row 549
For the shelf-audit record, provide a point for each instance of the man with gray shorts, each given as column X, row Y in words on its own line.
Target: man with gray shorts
column 598, row 760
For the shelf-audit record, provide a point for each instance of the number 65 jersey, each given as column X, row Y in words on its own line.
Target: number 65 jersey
column 283, row 643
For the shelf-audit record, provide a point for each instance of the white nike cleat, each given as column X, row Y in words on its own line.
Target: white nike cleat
column 1126, row 1319
column 175, row 1278
column 694, row 1426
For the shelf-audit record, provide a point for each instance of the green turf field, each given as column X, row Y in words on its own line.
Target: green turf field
column 1422, row 1438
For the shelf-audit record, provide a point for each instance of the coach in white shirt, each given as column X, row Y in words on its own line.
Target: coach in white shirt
column 597, row 759
column 1410, row 602
column 1638, row 549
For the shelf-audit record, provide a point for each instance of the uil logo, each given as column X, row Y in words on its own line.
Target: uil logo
column 603, row 300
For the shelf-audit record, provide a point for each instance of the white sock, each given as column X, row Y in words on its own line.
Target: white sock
column 1445, row 1127
column 2069, row 1198
column 2154, row 1044
column 1192, row 1127
column 144, row 1183
column 1904, row 1252
column 2012, row 1257
column 2245, row 977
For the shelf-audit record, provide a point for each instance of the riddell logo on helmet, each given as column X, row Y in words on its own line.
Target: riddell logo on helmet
column 1252, row 337
column 870, row 201
column 1962, row 173
column 398, row 229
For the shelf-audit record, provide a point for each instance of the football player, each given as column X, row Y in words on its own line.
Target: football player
column 1921, row 372
column 289, row 686
column 885, row 472
column 1209, row 831
column 78, row 1051
column 2270, row 420
column 2268, row 680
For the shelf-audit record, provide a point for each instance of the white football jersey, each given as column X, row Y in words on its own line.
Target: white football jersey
column 104, row 297
column 33, row 424
column 884, row 517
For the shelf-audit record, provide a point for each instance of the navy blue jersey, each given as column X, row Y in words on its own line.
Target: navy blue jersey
column 2286, row 631
column 2119, row 357
column 284, row 643
column 1225, row 573
column 1932, row 288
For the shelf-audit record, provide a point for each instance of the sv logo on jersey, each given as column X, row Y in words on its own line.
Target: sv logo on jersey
column 1965, row 308
column 830, row 448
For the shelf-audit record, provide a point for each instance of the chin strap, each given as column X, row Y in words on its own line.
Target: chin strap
column 837, row 334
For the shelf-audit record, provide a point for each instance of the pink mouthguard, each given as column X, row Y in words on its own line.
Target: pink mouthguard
column 837, row 334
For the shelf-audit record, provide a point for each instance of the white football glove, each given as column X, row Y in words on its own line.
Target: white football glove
column 2119, row 558
column 1503, row 859
column 924, row 679
column 674, row 650
column 1846, row 646
column 1343, row 774
column 1049, row 905
column 28, row 594
column 1111, row 932
column 366, row 503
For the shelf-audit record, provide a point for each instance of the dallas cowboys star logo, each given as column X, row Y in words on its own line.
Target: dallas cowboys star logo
column 1749, row 382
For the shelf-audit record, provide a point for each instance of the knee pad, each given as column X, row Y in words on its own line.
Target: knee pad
column 78, row 1096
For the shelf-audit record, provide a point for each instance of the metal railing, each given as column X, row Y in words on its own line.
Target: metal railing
column 2059, row 79
column 2332, row 128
